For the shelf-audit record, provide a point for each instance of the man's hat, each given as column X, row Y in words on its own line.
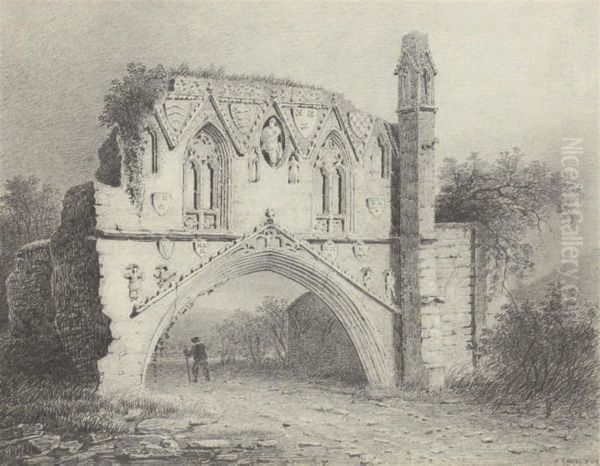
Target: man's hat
column 195, row 339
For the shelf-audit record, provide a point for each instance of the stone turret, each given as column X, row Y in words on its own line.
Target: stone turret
column 414, row 196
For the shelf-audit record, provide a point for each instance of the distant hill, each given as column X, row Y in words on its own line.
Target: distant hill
column 588, row 279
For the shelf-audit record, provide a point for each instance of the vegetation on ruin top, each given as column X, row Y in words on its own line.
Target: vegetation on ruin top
column 219, row 73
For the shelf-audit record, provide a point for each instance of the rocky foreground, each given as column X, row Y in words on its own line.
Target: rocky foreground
column 263, row 421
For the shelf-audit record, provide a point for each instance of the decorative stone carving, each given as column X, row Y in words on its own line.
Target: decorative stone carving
column 269, row 238
column 431, row 145
column 330, row 155
column 270, row 216
column 360, row 249
column 190, row 222
column 293, row 169
column 329, row 250
column 375, row 205
column 271, row 141
column 320, row 225
column 361, row 124
column 203, row 148
column 164, row 276
column 200, row 246
column 179, row 112
column 305, row 120
column 135, row 276
column 390, row 286
column 367, row 277
column 165, row 247
column 253, row 166
column 243, row 116
column 160, row 202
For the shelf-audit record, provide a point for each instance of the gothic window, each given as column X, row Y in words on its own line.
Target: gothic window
column 322, row 191
column 150, row 148
column 204, row 184
column 338, row 191
column 384, row 152
column 154, row 152
column 426, row 88
column 191, row 186
column 330, row 179
column 404, row 89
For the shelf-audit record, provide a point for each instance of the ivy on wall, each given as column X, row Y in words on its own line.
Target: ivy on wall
column 126, row 106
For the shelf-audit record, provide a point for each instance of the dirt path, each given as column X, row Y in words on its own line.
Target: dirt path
column 306, row 424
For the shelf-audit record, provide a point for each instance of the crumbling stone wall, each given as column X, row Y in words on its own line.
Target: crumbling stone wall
column 83, row 328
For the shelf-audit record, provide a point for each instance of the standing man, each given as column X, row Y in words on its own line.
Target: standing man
column 198, row 352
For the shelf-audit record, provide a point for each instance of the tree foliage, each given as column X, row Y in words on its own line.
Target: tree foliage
column 540, row 353
column 29, row 211
column 506, row 199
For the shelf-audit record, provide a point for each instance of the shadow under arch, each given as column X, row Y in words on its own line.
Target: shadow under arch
column 375, row 358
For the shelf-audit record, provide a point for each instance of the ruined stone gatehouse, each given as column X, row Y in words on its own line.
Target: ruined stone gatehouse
column 247, row 176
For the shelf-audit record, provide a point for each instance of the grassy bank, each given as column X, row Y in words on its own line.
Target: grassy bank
column 71, row 411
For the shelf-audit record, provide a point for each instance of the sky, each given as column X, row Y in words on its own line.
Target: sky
column 509, row 73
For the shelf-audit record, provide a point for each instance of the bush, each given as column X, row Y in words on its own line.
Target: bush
column 539, row 354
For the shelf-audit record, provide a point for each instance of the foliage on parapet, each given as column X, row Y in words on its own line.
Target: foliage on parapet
column 219, row 73
column 540, row 354
column 130, row 101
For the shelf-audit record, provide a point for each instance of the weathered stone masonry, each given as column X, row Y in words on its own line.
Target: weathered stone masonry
column 240, row 177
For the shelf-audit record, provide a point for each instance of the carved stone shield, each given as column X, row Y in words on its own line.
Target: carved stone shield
column 243, row 116
column 305, row 120
column 361, row 124
column 177, row 112
column 200, row 247
column 360, row 249
column 160, row 202
column 165, row 247
column 375, row 205
column 329, row 250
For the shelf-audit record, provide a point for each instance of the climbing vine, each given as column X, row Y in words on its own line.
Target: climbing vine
column 126, row 106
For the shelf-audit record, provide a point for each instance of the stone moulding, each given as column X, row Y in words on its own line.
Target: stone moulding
column 272, row 249
column 275, row 238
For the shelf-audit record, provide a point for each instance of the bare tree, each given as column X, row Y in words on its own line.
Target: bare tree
column 227, row 335
column 273, row 313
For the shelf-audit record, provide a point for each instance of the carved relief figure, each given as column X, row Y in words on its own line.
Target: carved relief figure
column 253, row 167
column 135, row 276
column 390, row 286
column 293, row 170
column 367, row 277
column 271, row 142
column 164, row 277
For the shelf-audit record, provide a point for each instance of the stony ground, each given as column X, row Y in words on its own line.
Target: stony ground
column 257, row 420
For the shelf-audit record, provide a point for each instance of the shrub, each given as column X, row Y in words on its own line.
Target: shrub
column 539, row 354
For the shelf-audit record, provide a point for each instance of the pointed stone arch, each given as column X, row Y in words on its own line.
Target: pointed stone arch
column 271, row 249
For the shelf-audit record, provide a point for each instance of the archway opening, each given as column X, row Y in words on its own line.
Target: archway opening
column 262, row 327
